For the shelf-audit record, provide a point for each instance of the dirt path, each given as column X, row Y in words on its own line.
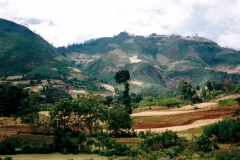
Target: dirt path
column 206, row 105
column 196, row 124
column 158, row 113
column 184, row 109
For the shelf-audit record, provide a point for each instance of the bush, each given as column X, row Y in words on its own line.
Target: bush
column 117, row 149
column 169, row 138
column 188, row 153
column 156, row 142
column 28, row 149
column 228, row 102
column 169, row 102
column 228, row 154
column 6, row 158
column 7, row 148
column 45, row 149
column 224, row 131
column 205, row 144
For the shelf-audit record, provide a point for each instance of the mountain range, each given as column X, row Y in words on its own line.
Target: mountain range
column 156, row 63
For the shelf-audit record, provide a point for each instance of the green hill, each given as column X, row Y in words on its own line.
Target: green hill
column 155, row 63
column 22, row 52
column 155, row 60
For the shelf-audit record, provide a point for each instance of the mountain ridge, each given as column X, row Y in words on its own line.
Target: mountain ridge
column 156, row 63
column 25, row 53
column 159, row 59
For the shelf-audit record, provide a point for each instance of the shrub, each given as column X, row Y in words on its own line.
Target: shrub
column 228, row 154
column 45, row 148
column 135, row 152
column 155, row 141
column 236, row 113
column 28, row 149
column 228, row 102
column 169, row 102
column 169, row 138
column 205, row 144
column 224, row 131
column 7, row 148
column 188, row 153
column 117, row 149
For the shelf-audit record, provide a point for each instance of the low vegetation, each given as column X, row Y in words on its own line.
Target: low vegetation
column 159, row 101
column 92, row 124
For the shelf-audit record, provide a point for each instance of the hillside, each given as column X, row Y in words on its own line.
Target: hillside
column 156, row 62
column 22, row 52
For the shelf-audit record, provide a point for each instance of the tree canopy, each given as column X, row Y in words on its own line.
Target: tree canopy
column 122, row 76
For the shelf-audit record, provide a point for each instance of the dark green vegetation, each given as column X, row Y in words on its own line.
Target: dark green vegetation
column 23, row 52
column 84, row 125
column 224, row 131
column 122, row 77
column 159, row 61
column 187, row 94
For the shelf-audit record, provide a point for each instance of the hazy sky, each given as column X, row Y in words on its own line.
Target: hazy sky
column 63, row 22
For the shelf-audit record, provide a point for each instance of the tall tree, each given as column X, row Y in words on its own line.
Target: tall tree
column 185, row 90
column 122, row 77
column 10, row 99
column 210, row 88
column 61, row 114
column 92, row 111
column 118, row 120
column 108, row 100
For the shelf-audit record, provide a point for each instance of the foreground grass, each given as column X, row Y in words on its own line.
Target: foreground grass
column 20, row 140
column 190, row 133
column 55, row 156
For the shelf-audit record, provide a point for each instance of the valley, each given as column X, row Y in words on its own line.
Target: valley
column 120, row 97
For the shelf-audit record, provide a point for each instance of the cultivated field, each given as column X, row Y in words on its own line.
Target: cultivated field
column 187, row 121
column 160, row 118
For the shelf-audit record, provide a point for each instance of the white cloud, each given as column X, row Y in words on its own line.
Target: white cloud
column 62, row 22
column 229, row 40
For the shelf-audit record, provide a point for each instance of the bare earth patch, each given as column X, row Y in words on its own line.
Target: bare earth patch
column 108, row 87
column 138, row 83
column 236, row 70
column 198, row 106
column 13, row 77
column 134, row 59
column 180, row 120
column 196, row 124
column 75, row 69
column 45, row 113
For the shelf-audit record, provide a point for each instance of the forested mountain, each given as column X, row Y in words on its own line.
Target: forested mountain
column 156, row 62
column 22, row 52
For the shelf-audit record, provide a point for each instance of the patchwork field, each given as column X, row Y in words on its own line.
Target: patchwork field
column 169, row 119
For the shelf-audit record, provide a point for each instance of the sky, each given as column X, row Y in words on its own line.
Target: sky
column 64, row 22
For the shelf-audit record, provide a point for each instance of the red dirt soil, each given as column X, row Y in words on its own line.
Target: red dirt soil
column 191, row 117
